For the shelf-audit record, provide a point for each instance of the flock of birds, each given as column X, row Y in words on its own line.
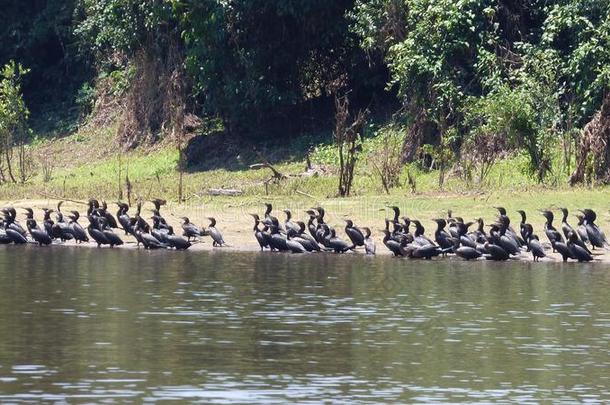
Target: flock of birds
column 451, row 236
column 102, row 226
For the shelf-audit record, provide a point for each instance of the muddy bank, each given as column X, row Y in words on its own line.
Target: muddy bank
column 236, row 225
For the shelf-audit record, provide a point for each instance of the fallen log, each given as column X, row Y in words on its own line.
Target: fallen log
column 225, row 191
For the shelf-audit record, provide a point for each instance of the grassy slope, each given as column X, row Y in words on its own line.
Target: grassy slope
column 86, row 164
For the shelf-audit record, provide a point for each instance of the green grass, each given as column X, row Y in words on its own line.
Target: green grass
column 153, row 174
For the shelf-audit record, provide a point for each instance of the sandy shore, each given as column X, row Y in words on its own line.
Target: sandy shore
column 236, row 225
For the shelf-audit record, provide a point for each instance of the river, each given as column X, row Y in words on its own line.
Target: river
column 88, row 325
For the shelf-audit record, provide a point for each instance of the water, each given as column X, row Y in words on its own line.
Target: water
column 89, row 325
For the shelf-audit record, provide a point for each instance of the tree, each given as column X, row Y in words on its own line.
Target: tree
column 258, row 63
column 14, row 130
column 347, row 134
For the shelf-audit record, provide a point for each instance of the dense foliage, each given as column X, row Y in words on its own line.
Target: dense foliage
column 471, row 80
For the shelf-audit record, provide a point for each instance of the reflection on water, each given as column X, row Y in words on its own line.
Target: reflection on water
column 88, row 324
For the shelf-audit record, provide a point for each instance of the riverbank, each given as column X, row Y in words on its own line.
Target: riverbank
column 234, row 221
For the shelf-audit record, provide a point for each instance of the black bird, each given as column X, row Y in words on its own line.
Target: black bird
column 40, row 236
column 594, row 234
column 564, row 250
column 426, row 252
column 214, row 233
column 149, row 241
column 289, row 224
column 396, row 213
column 565, row 227
column 95, row 232
column 505, row 240
column 334, row 242
column 48, row 222
column 523, row 225
column 311, row 227
column 93, row 204
column 124, row 219
column 15, row 237
column 419, row 237
column 495, row 252
column 77, row 230
column 10, row 221
column 468, row 253
column 113, row 238
column 261, row 237
column 189, row 230
column 140, row 223
column 582, row 229
column 354, row 234
column 110, row 221
column 447, row 242
column 308, row 242
column 277, row 241
column 61, row 228
column 269, row 209
column 550, row 231
column 533, row 243
column 159, row 231
column 510, row 232
column 293, row 245
column 578, row 252
column 393, row 246
column 369, row 243
column 177, row 242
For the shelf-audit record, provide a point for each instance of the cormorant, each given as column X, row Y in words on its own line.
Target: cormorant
column 426, row 252
column 77, row 230
column 109, row 218
column 148, row 241
column 177, row 242
column 468, row 253
column 549, row 229
column 369, row 243
column 564, row 250
column 505, row 240
column 124, row 218
column 533, row 243
column 293, row 245
column 113, row 238
column 354, row 234
column 39, row 235
column 565, row 227
column 495, row 252
column 311, row 227
column 510, row 232
column 190, row 230
column 582, row 229
column 308, row 242
column 578, row 252
column 523, row 225
column 48, row 222
column 277, row 240
column 447, row 242
column 289, row 224
column 214, row 233
column 393, row 246
column 594, row 234
column 95, row 232
column 419, row 238
column 334, row 242
column 261, row 237
column 10, row 221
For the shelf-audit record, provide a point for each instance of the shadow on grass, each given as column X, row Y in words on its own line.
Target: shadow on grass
column 222, row 151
